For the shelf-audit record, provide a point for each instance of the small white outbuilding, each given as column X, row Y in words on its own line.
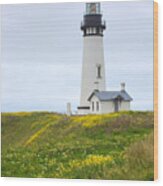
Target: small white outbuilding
column 109, row 101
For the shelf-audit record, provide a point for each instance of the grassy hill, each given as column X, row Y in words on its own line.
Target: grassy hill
column 51, row 145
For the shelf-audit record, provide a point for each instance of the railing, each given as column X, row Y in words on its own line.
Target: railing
column 103, row 23
column 89, row 13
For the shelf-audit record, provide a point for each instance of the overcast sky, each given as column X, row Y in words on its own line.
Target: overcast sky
column 42, row 54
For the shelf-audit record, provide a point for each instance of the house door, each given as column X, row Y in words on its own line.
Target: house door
column 116, row 107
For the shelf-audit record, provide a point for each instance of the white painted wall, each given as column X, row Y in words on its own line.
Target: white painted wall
column 107, row 106
column 93, row 55
column 104, row 107
column 125, row 105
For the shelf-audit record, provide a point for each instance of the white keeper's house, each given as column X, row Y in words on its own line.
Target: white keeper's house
column 95, row 99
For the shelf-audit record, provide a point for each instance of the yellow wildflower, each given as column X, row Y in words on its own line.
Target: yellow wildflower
column 36, row 135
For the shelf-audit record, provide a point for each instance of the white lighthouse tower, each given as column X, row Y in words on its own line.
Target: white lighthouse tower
column 93, row 68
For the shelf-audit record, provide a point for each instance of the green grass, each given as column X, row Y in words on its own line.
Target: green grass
column 51, row 145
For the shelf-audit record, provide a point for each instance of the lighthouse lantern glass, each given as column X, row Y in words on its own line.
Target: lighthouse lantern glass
column 92, row 8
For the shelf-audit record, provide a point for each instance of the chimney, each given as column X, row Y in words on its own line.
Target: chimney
column 69, row 113
column 122, row 86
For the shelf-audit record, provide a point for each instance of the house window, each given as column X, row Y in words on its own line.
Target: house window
column 98, row 71
column 97, row 106
column 92, row 106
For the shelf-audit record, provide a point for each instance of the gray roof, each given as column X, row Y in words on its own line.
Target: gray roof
column 110, row 95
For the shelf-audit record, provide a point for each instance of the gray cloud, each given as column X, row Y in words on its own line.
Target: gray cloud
column 42, row 53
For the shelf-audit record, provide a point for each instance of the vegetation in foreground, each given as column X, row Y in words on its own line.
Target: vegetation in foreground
column 51, row 145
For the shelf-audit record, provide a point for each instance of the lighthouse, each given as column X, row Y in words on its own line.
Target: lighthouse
column 93, row 68
column 94, row 98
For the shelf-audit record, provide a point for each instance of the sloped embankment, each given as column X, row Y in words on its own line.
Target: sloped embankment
column 111, row 146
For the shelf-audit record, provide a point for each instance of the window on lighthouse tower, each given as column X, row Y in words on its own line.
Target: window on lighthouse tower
column 94, row 30
column 88, row 31
column 100, row 30
column 98, row 71
column 91, row 30
column 92, row 8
